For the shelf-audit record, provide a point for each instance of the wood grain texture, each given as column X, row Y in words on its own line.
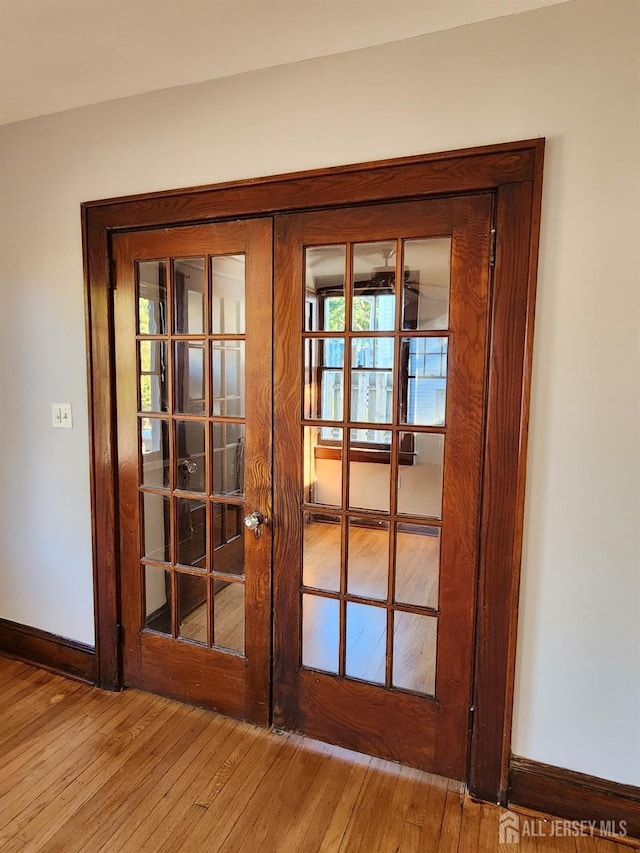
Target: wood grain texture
column 102, row 433
column 96, row 772
column 503, row 494
column 470, row 170
column 501, row 169
column 437, row 737
column 466, row 383
column 59, row 654
column 287, row 465
column 239, row 686
column 360, row 716
column 571, row 795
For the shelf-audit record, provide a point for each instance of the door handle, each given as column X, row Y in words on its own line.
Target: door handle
column 254, row 521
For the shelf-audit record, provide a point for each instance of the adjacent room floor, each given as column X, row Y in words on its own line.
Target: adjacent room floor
column 86, row 770
column 415, row 637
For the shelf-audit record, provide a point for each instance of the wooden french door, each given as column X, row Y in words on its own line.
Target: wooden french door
column 380, row 344
column 192, row 310
column 381, row 328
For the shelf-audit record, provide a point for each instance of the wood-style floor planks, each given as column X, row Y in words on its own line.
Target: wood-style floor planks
column 408, row 806
column 451, row 820
column 529, row 844
column 85, row 770
column 228, row 804
column 488, row 829
column 435, row 812
column 470, row 827
column 19, row 693
column 372, row 811
column 274, row 806
column 99, row 814
column 210, row 801
column 307, row 832
column 159, row 800
column 10, row 673
column 337, row 822
column 184, row 812
column 28, row 780
column 407, row 812
column 40, row 737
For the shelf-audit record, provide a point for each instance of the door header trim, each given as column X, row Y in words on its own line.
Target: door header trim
column 449, row 172
column 513, row 172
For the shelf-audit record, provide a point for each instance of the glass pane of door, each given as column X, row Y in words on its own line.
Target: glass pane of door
column 195, row 533
column 361, row 552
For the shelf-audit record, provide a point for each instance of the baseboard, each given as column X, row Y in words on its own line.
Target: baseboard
column 58, row 654
column 573, row 796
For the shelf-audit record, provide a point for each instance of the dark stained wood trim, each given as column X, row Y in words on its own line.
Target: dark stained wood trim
column 571, row 795
column 360, row 454
column 510, row 356
column 513, row 172
column 447, row 172
column 58, row 654
column 103, row 462
column 405, row 178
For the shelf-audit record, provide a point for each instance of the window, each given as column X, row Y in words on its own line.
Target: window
column 424, row 374
column 384, row 350
column 371, row 391
column 152, row 295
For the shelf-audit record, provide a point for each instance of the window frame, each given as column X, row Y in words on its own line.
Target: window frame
column 359, row 451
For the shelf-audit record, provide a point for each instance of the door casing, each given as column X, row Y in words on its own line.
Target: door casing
column 513, row 172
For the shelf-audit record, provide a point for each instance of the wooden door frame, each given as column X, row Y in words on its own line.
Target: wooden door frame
column 513, row 172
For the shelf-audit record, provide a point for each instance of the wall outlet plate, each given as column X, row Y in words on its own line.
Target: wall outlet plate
column 61, row 416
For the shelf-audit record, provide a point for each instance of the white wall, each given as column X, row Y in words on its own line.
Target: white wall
column 569, row 73
column 419, row 484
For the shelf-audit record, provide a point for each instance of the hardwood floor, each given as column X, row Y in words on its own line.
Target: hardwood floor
column 415, row 637
column 229, row 619
column 85, row 770
column 418, row 558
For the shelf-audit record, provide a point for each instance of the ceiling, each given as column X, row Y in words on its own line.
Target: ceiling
column 60, row 54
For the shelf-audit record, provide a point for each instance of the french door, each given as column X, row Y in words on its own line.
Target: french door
column 380, row 359
column 193, row 381
column 379, row 338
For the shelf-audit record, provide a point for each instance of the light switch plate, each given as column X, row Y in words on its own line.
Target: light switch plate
column 61, row 415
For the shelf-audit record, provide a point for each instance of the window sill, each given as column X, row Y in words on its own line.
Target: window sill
column 361, row 454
